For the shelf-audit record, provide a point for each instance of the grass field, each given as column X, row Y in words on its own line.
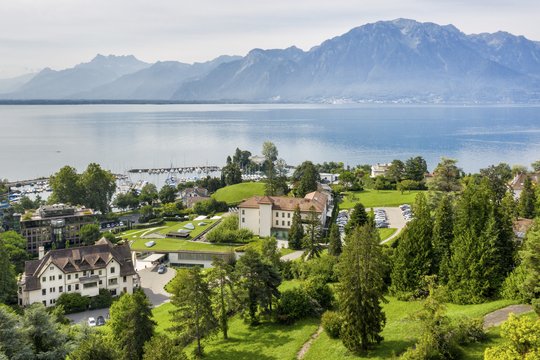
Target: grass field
column 178, row 244
column 400, row 331
column 235, row 193
column 385, row 233
column 376, row 198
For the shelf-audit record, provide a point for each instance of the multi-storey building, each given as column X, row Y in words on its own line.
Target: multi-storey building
column 54, row 225
column 272, row 215
column 82, row 270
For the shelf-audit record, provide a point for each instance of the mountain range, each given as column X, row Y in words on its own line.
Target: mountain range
column 387, row 61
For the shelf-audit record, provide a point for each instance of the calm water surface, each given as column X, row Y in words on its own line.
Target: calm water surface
column 38, row 140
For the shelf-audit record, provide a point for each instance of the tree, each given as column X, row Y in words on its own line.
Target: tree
column 415, row 168
column 359, row 217
column 193, row 316
column 498, row 177
column 66, row 187
column 527, row 200
column 274, row 183
column 443, row 234
column 15, row 247
column 413, row 258
column 306, row 177
column 446, row 176
column 536, row 166
column 13, row 341
column 360, row 290
column 523, row 340
column 518, row 169
column 8, row 281
column 26, row 203
column 334, row 241
column 163, row 348
column 46, row 338
column 96, row 346
column 99, row 186
column 89, row 234
column 396, row 171
column 221, row 282
column 296, row 232
column 231, row 174
column 148, row 193
column 129, row 200
column 407, row 185
column 167, row 194
column 270, row 252
column 312, row 238
column 131, row 324
column 269, row 151
column 258, row 284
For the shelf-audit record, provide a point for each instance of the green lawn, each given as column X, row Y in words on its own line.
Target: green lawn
column 400, row 331
column 385, row 233
column 178, row 244
column 376, row 198
column 235, row 193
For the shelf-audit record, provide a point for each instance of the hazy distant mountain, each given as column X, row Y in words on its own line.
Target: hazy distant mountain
column 397, row 61
column 157, row 82
column 388, row 60
column 13, row 84
column 52, row 84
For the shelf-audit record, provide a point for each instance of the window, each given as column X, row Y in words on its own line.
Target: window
column 69, row 277
column 51, row 268
column 277, row 214
column 90, row 285
column 44, row 303
column 283, row 223
column 43, row 279
column 288, row 223
column 125, row 290
column 243, row 220
column 282, row 214
column 113, row 292
column 61, row 289
column 76, row 287
column 77, row 276
column 113, row 281
column 125, row 278
column 277, row 222
column 43, row 292
column 60, row 277
column 112, row 270
column 288, row 215
column 99, row 272
column 51, row 301
column 100, row 282
column 92, row 272
column 51, row 278
column 243, row 212
column 69, row 287
column 51, row 290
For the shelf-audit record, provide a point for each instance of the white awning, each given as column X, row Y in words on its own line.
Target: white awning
column 153, row 258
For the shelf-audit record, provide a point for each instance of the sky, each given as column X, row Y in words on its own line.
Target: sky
column 35, row 34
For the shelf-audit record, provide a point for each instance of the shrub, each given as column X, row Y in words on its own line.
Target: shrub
column 296, row 304
column 103, row 300
column 536, row 306
column 512, row 288
column 210, row 206
column 468, row 331
column 73, row 302
column 322, row 267
column 227, row 232
column 331, row 322
column 317, row 289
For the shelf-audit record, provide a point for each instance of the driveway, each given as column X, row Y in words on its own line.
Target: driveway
column 152, row 284
column 395, row 220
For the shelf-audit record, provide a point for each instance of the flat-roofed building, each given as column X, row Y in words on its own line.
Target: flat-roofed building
column 272, row 215
column 54, row 225
column 83, row 270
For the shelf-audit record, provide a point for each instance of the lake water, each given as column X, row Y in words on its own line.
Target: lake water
column 37, row 140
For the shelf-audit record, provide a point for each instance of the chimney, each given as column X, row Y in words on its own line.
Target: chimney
column 41, row 251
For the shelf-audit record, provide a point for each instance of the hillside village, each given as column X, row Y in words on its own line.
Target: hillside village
column 276, row 268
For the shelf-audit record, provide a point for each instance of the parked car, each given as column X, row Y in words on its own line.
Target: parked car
column 91, row 321
column 161, row 269
column 100, row 321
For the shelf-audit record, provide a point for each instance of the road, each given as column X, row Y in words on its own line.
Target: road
column 395, row 220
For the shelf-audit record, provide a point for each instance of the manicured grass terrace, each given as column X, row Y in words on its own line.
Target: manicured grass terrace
column 377, row 198
column 234, row 194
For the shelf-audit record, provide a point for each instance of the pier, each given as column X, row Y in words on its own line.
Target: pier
column 186, row 169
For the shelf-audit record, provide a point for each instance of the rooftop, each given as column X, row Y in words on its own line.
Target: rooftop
column 314, row 199
column 58, row 211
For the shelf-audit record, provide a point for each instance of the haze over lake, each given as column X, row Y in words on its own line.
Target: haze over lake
column 36, row 140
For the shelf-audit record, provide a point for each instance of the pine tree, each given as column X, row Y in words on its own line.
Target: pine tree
column 360, row 289
column 193, row 316
column 443, row 235
column 527, row 200
column 312, row 238
column 222, row 283
column 359, row 217
column 476, row 264
column 296, row 232
column 131, row 324
column 413, row 258
column 334, row 241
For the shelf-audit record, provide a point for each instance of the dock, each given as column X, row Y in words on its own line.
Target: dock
column 180, row 170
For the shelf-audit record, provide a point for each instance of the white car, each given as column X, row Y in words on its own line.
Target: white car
column 91, row 322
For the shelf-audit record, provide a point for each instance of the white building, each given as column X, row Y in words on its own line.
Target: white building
column 82, row 270
column 329, row 178
column 379, row 169
column 272, row 215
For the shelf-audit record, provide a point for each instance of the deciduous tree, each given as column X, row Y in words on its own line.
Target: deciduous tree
column 446, row 176
column 221, row 281
column 89, row 234
column 99, row 186
column 167, row 194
